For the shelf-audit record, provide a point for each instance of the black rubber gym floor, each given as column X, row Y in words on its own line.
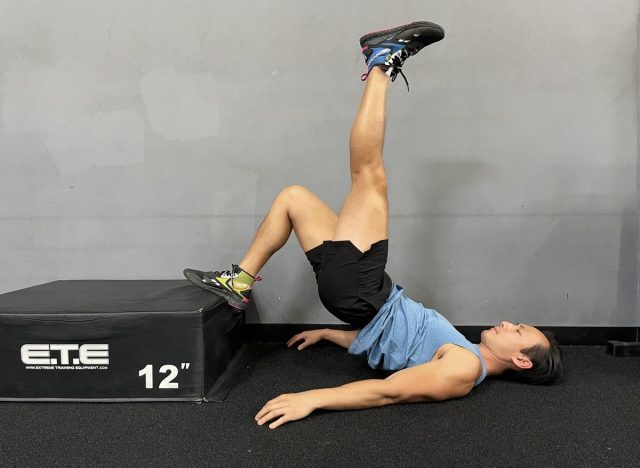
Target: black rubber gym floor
column 592, row 419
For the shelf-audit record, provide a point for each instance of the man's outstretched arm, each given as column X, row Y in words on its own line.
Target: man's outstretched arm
column 292, row 406
column 433, row 381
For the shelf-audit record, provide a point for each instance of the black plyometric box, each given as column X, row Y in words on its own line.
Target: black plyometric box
column 100, row 340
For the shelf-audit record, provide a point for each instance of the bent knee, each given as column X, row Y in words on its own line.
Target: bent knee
column 294, row 193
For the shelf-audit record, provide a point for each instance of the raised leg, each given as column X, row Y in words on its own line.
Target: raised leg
column 295, row 208
column 363, row 218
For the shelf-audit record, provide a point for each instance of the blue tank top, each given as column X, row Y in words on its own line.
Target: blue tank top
column 404, row 333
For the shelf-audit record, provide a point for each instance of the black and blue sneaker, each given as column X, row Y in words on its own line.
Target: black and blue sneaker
column 389, row 48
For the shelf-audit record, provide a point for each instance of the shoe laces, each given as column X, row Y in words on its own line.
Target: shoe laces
column 231, row 274
column 395, row 62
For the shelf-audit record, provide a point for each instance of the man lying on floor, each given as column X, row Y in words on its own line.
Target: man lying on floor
column 349, row 254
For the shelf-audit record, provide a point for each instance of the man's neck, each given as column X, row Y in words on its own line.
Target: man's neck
column 493, row 364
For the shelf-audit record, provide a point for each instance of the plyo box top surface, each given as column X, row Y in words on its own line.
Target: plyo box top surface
column 108, row 296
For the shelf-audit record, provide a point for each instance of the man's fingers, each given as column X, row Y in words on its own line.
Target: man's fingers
column 270, row 406
column 274, row 413
column 278, row 423
column 265, row 409
column 298, row 337
column 262, row 413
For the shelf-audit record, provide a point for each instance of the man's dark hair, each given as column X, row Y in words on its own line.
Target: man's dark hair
column 547, row 364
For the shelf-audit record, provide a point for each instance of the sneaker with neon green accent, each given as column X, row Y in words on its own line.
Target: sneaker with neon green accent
column 232, row 285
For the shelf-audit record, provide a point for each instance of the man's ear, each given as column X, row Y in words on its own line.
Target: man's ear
column 522, row 362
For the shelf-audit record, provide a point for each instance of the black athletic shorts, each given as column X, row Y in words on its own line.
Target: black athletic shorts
column 352, row 285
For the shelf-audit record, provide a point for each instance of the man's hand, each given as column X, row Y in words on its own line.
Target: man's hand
column 310, row 337
column 289, row 407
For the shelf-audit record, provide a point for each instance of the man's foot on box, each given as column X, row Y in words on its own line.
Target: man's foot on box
column 232, row 285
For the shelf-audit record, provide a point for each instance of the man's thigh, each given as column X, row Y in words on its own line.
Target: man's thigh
column 364, row 217
column 312, row 219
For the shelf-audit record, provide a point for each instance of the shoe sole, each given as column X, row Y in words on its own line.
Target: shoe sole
column 417, row 24
column 197, row 281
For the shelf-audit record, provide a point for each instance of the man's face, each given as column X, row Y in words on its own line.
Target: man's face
column 507, row 339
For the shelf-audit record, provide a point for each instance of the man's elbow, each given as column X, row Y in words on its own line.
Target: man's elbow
column 417, row 398
column 431, row 396
column 406, row 395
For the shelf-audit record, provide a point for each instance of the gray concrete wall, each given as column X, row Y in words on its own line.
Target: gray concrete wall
column 140, row 137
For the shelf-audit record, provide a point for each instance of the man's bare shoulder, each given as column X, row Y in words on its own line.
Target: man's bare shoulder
column 463, row 364
column 450, row 374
